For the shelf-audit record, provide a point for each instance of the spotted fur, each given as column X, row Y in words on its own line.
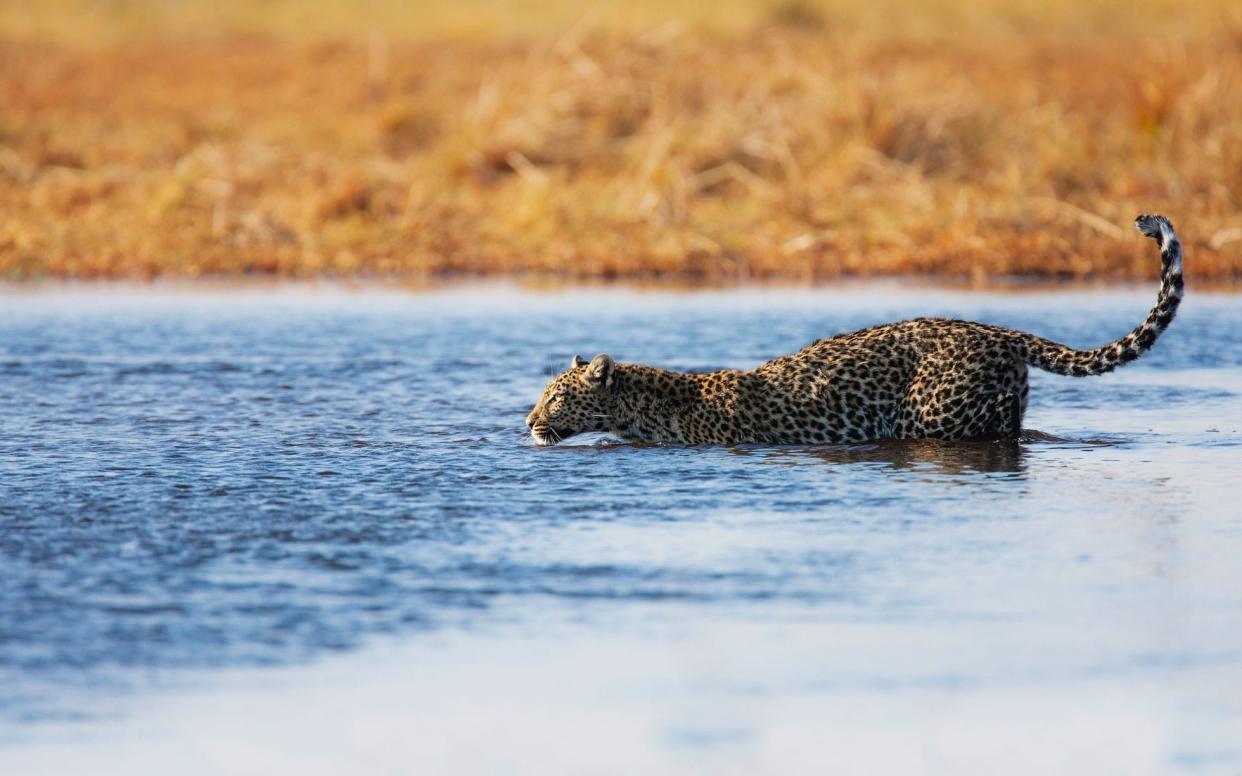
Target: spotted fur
column 926, row 378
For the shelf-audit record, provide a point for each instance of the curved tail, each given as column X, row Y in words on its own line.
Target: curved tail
column 1067, row 361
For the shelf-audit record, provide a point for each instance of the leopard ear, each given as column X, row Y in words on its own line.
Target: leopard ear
column 600, row 371
column 578, row 361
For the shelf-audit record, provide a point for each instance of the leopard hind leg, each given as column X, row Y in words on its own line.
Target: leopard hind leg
column 948, row 401
column 1008, row 415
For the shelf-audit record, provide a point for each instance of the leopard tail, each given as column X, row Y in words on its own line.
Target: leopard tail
column 1063, row 360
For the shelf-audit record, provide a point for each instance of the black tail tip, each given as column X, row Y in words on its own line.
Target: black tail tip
column 1153, row 226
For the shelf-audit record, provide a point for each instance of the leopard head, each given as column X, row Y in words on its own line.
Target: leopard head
column 574, row 402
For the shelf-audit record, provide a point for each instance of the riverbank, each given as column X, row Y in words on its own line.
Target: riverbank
column 799, row 146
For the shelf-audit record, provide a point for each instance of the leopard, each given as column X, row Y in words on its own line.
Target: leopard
column 928, row 378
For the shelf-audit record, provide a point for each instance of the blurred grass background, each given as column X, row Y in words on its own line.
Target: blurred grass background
column 682, row 140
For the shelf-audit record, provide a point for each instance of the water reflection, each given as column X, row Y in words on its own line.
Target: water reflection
column 996, row 456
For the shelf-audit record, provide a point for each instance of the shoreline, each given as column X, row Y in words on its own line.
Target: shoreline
column 905, row 284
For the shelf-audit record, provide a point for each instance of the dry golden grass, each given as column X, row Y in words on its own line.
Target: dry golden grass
column 747, row 141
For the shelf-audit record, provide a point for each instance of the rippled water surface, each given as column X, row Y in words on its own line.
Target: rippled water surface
column 319, row 499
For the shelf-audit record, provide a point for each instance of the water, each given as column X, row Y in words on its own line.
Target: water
column 320, row 507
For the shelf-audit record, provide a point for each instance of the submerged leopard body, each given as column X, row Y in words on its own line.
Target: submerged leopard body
column 929, row 377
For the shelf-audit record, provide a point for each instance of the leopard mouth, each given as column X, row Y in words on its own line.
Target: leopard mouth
column 546, row 436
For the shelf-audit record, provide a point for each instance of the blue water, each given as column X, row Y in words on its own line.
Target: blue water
column 202, row 481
